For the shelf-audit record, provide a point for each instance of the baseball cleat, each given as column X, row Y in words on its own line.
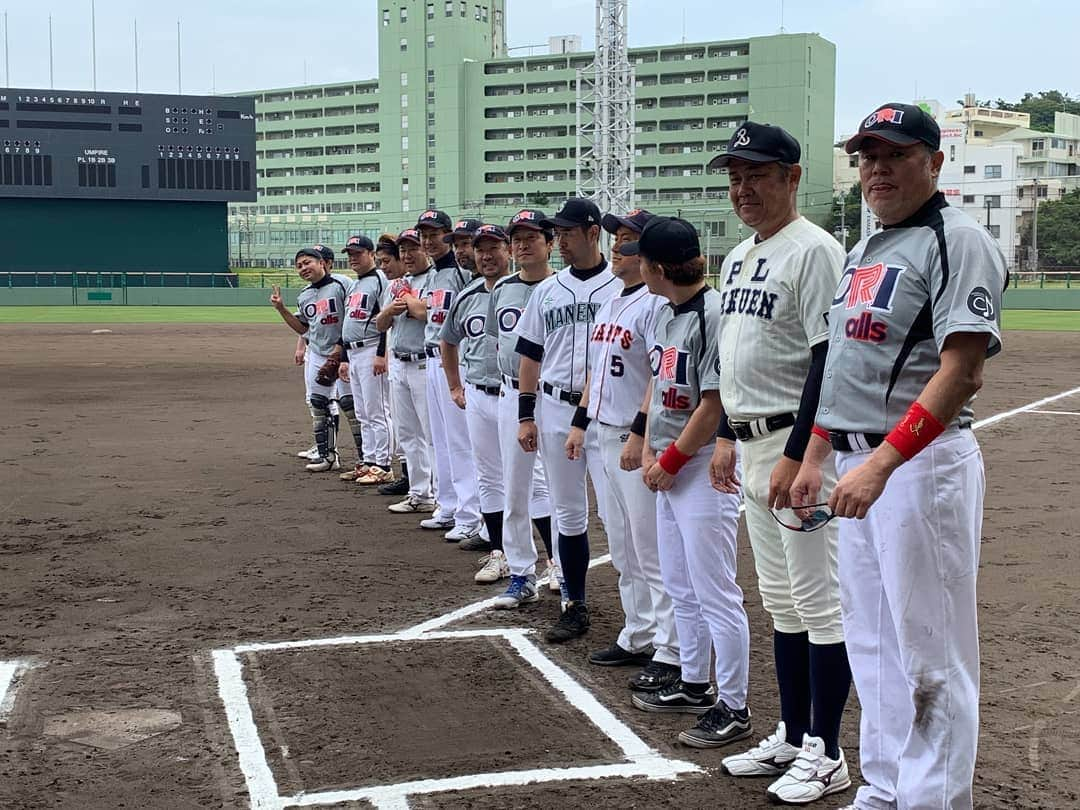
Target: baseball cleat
column 573, row 623
column 554, row 577
column 522, row 590
column 770, row 757
column 474, row 543
column 411, row 504
column 678, row 698
column 311, row 454
column 437, row 522
column 326, row 464
column 616, row 656
column 719, row 726
column 355, row 473
column 462, row 532
column 495, row 568
column 811, row 776
column 654, row 676
column 375, row 475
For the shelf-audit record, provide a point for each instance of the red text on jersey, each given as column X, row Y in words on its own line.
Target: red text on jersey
column 611, row 333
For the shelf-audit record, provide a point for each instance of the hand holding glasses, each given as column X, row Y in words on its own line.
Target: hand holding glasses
column 816, row 516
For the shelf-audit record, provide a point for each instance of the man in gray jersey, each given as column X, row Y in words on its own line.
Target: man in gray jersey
column 915, row 315
column 460, row 240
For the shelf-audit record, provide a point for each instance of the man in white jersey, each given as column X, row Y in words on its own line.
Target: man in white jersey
column 777, row 287
column 553, row 340
column 618, row 378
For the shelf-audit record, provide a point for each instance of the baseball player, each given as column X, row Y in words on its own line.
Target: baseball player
column 340, row 402
column 696, row 526
column 460, row 240
column 526, row 490
column 388, row 260
column 915, row 315
column 777, row 287
column 455, row 479
column 404, row 310
column 553, row 341
column 479, row 397
column 369, row 393
column 618, row 378
column 318, row 316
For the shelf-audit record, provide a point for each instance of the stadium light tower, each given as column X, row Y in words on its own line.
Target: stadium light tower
column 605, row 115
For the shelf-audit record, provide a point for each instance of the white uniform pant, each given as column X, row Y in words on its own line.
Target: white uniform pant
column 371, row 404
column 907, row 586
column 408, row 395
column 797, row 576
column 526, row 489
column 455, row 476
column 696, row 530
column 313, row 361
column 566, row 478
column 482, row 416
column 631, row 531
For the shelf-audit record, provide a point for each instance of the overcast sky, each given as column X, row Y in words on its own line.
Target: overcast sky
column 886, row 50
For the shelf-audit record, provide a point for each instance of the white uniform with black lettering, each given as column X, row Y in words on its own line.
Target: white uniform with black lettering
column 618, row 378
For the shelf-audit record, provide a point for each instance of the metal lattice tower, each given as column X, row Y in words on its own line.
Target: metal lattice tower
column 605, row 115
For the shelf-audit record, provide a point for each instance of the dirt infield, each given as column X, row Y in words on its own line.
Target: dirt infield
column 152, row 509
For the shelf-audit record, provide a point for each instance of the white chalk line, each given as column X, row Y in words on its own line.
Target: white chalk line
column 1057, row 413
column 991, row 420
column 11, row 673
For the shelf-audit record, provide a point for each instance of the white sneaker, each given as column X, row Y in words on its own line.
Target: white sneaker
column 324, row 464
column 311, row 454
column 811, row 776
column 770, row 757
column 554, row 575
column 437, row 522
column 462, row 532
column 494, row 569
column 412, row 503
column 522, row 590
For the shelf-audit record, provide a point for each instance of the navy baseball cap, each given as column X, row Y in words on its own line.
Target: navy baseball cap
column 759, row 143
column 463, row 227
column 358, row 242
column 409, row 235
column 326, row 253
column 899, row 124
column 433, row 218
column 665, row 239
column 576, row 212
column 313, row 252
column 490, row 232
column 635, row 220
column 531, row 218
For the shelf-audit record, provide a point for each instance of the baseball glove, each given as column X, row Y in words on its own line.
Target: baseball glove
column 328, row 372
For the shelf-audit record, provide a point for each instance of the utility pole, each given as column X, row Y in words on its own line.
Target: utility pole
column 987, row 198
column 93, row 45
column 52, row 84
column 843, row 224
column 1035, row 222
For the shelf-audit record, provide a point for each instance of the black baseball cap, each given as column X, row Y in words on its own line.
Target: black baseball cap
column 531, row 218
column 635, row 220
column 576, row 212
column 490, row 232
column 326, row 253
column 665, row 239
column 759, row 143
column 358, row 242
column 313, row 252
column 409, row 235
column 899, row 124
column 463, row 227
column 433, row 218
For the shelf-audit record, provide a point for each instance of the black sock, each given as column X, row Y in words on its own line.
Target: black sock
column 574, row 558
column 792, row 651
column 830, row 683
column 543, row 525
column 494, row 523
column 405, row 471
column 696, row 688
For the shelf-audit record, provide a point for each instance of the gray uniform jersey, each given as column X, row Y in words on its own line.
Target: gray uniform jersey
column 465, row 327
column 441, row 292
column 363, row 303
column 321, row 307
column 903, row 292
column 505, row 305
column 685, row 361
column 407, row 334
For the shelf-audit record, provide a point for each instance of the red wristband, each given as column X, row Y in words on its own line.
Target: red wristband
column 820, row 432
column 672, row 460
column 914, row 431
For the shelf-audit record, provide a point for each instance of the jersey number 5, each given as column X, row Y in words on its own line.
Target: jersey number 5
column 617, row 367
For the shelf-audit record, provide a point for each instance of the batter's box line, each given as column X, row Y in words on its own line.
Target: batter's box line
column 11, row 675
column 640, row 759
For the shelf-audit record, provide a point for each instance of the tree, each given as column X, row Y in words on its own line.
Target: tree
column 852, row 207
column 1041, row 107
column 1059, row 231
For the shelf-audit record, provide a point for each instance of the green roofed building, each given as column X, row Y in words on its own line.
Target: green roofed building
column 453, row 122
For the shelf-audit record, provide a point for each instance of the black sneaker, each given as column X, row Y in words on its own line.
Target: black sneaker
column 571, row 624
column 399, row 487
column 719, row 726
column 677, row 698
column 655, row 676
column 616, row 656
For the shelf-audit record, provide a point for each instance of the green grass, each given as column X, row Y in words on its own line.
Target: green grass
column 1042, row 320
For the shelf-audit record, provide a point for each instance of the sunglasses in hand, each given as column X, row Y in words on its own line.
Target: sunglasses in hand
column 819, row 515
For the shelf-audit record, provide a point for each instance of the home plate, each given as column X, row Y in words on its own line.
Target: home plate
column 113, row 729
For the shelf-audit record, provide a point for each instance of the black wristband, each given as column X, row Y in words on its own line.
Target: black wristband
column 581, row 418
column 724, row 431
column 526, row 407
column 641, row 419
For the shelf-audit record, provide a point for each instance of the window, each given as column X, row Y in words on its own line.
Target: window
column 992, row 200
column 405, row 204
column 430, row 96
column 430, row 76
column 431, row 40
column 404, row 80
column 404, row 14
column 969, row 170
column 978, row 133
column 995, row 231
column 404, row 44
column 385, row 17
column 404, row 100
column 431, row 162
column 464, row 6
column 431, row 141
column 449, row 9
column 992, row 171
column 483, row 13
column 969, row 199
column 1038, row 145
column 477, row 14
column 404, row 122
column 431, row 11
column 404, row 142
column 431, row 182
column 404, row 185
column 431, row 119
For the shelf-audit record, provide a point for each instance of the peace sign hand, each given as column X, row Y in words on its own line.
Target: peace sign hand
column 275, row 298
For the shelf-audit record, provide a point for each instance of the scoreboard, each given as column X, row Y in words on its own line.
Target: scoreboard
column 134, row 146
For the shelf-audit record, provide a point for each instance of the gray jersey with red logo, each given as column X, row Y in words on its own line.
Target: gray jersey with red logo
column 685, row 361
column 439, row 295
column 321, row 307
column 903, row 292
column 362, row 305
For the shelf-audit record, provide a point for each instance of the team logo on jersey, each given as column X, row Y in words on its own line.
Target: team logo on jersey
column 613, row 333
column 474, row 326
column 670, row 365
column 569, row 314
column 871, row 285
column 439, row 302
column 981, row 303
column 324, row 310
column 508, row 318
column 742, row 138
column 886, row 115
column 359, row 306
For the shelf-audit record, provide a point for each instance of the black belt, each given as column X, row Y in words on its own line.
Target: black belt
column 490, row 390
column 408, row 358
column 353, row 345
column 573, row 397
column 759, row 427
column 510, row 381
column 431, row 351
column 854, row 442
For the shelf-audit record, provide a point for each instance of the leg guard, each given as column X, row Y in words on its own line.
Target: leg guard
column 322, row 424
column 345, row 403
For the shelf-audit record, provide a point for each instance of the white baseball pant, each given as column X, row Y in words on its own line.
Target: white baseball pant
column 696, row 530
column 522, row 472
column 482, row 414
column 631, row 532
column 566, row 478
column 408, row 396
column 907, row 587
column 371, row 404
column 455, row 477
column 797, row 572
